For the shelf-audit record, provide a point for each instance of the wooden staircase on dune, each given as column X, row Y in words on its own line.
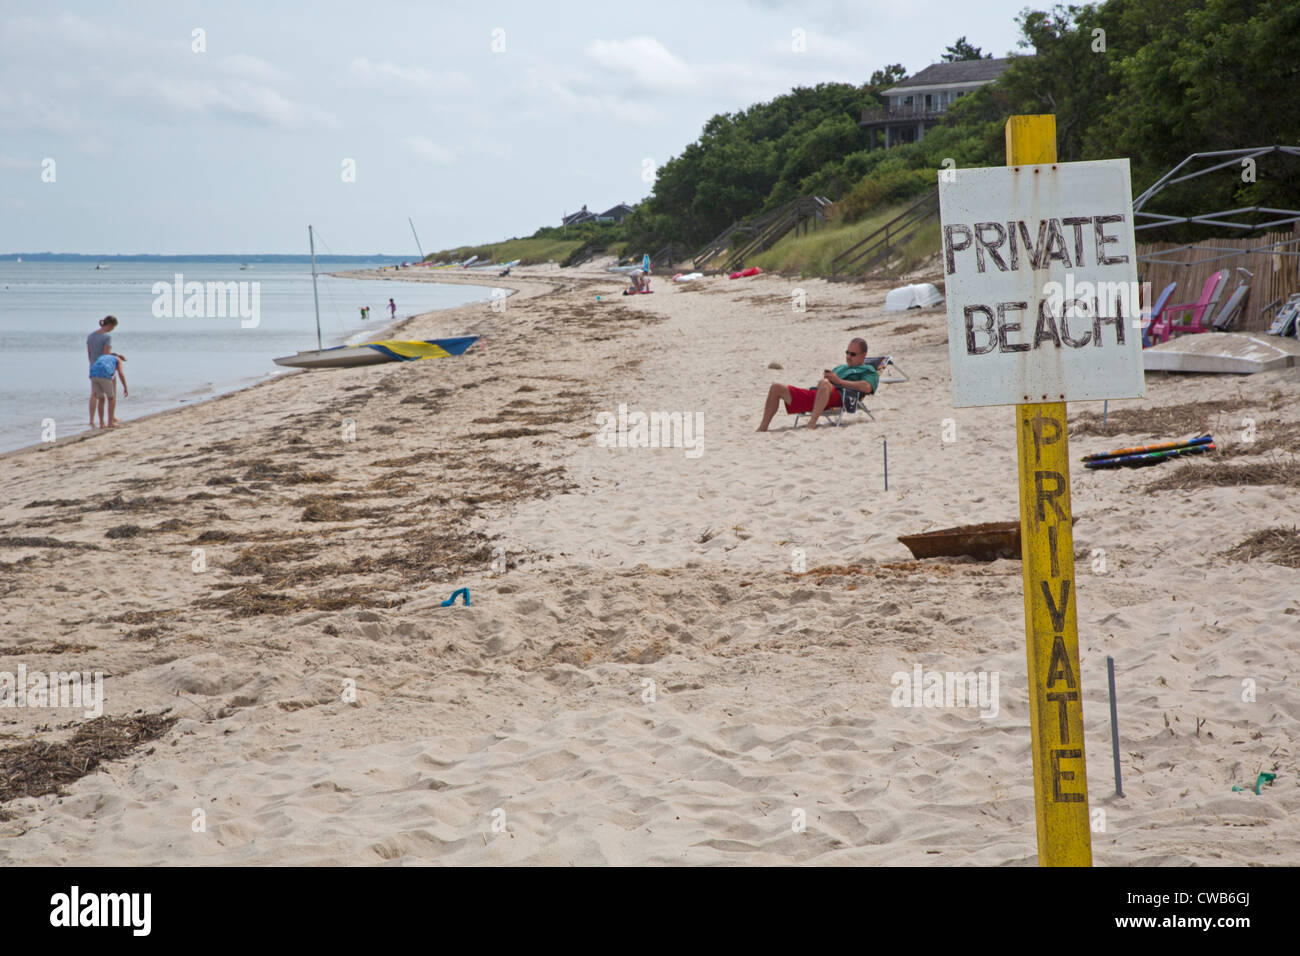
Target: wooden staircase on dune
column 728, row 251
column 855, row 261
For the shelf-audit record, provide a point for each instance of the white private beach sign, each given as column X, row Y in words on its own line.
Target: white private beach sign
column 1040, row 265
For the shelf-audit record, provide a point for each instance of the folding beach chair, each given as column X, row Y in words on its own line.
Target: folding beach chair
column 1287, row 320
column 1232, row 309
column 852, row 400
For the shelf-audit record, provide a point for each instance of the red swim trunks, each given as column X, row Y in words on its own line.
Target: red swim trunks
column 801, row 399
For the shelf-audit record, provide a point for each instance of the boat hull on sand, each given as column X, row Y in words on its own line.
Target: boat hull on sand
column 376, row 353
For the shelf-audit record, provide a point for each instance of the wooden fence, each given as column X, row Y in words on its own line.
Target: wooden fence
column 1275, row 271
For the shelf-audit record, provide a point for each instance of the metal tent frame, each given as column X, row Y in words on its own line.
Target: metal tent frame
column 1214, row 218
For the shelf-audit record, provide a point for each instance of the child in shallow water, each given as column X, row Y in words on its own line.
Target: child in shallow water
column 103, row 386
column 97, row 343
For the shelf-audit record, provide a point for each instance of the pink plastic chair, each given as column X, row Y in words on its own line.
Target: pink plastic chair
column 1163, row 327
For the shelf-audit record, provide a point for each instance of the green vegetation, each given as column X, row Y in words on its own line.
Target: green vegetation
column 1151, row 80
column 805, row 142
column 527, row 251
column 1163, row 79
column 961, row 50
column 550, row 243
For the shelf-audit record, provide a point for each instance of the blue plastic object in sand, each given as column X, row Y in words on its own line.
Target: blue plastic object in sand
column 455, row 594
column 1260, row 781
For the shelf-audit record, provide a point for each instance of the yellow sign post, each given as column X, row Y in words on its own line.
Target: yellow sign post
column 1051, row 629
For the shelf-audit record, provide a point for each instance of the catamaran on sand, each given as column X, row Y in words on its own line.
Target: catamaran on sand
column 369, row 353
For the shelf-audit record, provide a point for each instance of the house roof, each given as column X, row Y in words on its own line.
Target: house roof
column 959, row 73
column 622, row 207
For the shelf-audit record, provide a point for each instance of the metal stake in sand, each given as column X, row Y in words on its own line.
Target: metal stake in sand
column 885, row 442
column 1114, row 723
column 1047, row 556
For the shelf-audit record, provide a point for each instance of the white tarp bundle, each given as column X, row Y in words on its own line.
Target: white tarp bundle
column 912, row 297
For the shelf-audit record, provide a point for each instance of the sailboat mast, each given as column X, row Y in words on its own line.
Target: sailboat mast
column 417, row 237
column 311, row 239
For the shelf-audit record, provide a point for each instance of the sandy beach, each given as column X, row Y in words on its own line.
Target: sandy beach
column 670, row 655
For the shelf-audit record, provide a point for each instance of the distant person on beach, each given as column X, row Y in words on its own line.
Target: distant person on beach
column 392, row 308
column 97, row 343
column 829, row 392
column 103, row 387
column 365, row 313
column 640, row 282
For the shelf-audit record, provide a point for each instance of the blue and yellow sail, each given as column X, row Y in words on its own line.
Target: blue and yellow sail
column 414, row 350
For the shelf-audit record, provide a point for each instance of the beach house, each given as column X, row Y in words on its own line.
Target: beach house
column 917, row 103
column 615, row 214
column 582, row 215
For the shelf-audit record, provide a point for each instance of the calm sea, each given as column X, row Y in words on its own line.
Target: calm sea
column 48, row 308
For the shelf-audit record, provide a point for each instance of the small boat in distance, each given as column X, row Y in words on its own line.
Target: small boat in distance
column 100, row 266
column 369, row 353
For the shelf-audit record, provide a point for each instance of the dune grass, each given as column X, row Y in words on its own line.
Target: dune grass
column 527, row 251
column 811, row 254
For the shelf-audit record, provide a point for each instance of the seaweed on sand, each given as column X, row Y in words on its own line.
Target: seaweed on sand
column 37, row 768
column 1275, row 545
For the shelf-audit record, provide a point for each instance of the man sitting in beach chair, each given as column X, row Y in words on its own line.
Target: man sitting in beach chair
column 856, row 375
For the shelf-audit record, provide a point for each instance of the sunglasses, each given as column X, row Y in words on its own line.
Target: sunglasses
column 850, row 352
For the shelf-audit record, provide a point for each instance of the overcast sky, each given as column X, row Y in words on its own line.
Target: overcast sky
column 158, row 148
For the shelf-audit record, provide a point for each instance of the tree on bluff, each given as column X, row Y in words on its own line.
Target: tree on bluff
column 961, row 50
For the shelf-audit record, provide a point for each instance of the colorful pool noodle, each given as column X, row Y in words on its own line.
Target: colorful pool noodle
column 1150, row 457
column 1142, row 449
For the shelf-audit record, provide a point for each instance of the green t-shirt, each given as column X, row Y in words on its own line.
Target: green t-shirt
column 859, row 373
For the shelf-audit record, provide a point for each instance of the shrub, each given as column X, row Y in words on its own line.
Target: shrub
column 896, row 185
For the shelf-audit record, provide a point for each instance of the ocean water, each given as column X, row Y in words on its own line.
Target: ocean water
column 48, row 308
